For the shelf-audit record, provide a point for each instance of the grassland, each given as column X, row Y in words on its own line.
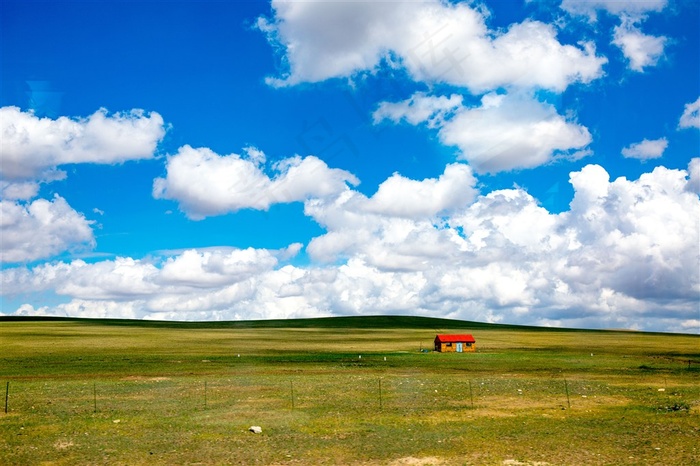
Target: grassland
column 124, row 392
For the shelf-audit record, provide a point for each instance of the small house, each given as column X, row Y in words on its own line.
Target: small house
column 455, row 343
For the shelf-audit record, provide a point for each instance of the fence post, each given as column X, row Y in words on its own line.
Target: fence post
column 471, row 396
column 94, row 397
column 291, row 392
column 7, row 392
column 380, row 394
column 566, row 386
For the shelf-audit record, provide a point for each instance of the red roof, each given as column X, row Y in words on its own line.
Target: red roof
column 455, row 339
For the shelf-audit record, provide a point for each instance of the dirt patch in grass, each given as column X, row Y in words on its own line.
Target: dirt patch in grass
column 524, row 463
column 435, row 461
column 140, row 378
column 411, row 461
column 62, row 444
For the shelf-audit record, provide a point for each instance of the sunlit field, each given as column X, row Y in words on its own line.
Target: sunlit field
column 344, row 391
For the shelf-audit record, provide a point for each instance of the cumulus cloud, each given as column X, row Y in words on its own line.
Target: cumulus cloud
column 23, row 190
column 205, row 183
column 41, row 229
column 213, row 268
column 639, row 49
column 395, row 228
column 131, row 279
column 694, row 176
column 648, row 227
column 434, row 41
column 625, row 254
column 402, row 197
column 193, row 284
column 647, row 149
column 631, row 8
column 691, row 115
column 506, row 132
column 420, row 108
column 33, row 147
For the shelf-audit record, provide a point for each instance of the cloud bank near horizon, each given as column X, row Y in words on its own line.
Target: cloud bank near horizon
column 624, row 255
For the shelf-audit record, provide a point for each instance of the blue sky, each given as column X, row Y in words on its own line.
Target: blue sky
column 528, row 162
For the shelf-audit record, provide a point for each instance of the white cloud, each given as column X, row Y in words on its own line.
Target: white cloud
column 123, row 278
column 213, row 268
column 647, row 149
column 420, row 108
column 190, row 271
column 434, row 41
column 694, row 176
column 33, row 147
column 87, row 309
column 621, row 255
column 511, row 216
column 41, row 229
column 508, row 131
column 395, row 228
column 402, row 197
column 640, row 236
column 624, row 255
column 641, row 50
column 23, row 190
column 691, row 115
column 632, row 8
column 205, row 183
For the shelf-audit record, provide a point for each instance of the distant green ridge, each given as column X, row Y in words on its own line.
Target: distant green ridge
column 355, row 322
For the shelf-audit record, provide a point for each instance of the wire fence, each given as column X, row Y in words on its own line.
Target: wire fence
column 340, row 393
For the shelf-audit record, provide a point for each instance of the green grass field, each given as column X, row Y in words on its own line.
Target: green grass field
column 127, row 392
